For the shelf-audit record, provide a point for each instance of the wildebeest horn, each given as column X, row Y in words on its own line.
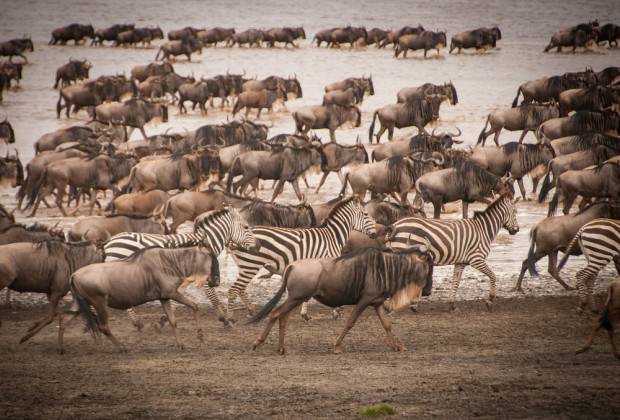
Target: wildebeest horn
column 358, row 140
column 433, row 132
column 438, row 158
column 456, row 135
column 166, row 132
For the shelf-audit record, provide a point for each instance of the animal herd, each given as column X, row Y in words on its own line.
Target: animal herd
column 351, row 250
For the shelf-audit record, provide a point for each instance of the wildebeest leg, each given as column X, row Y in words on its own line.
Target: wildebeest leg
column 523, row 133
column 380, row 133
column 281, row 310
column 332, row 135
column 390, row 132
column 143, row 133
column 590, row 339
column 387, row 326
column 553, row 270
column 62, row 325
column 53, row 298
column 456, row 280
column 278, row 190
column 481, row 265
column 357, row 311
column 496, row 137
column 518, row 287
column 283, row 319
column 165, row 303
column 323, row 178
column 522, row 189
column 60, row 192
column 295, row 184
column 437, row 208
column 569, row 199
column 465, row 207
column 104, row 326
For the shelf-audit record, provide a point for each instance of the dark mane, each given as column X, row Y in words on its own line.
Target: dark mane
column 336, row 208
column 536, row 112
column 615, row 204
column 468, row 175
column 137, row 256
column 278, row 215
column 592, row 121
column 586, row 141
column 35, row 227
column 210, row 215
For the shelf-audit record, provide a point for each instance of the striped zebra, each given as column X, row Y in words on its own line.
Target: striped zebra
column 599, row 241
column 282, row 246
column 214, row 229
column 460, row 242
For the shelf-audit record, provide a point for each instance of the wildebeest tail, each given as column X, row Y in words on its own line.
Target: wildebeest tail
column 481, row 135
column 35, row 188
column 266, row 310
column 57, row 81
column 569, row 250
column 553, row 204
column 372, row 126
column 91, row 320
column 546, row 185
column 531, row 261
column 516, row 101
column 231, row 173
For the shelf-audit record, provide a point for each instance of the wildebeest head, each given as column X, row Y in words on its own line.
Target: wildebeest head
column 299, row 32
column 446, row 139
column 496, row 32
column 6, row 131
column 434, row 102
column 11, row 171
column 293, row 86
column 450, row 91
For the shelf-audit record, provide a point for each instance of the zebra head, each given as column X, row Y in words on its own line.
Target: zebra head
column 224, row 227
column 509, row 221
column 362, row 222
column 241, row 234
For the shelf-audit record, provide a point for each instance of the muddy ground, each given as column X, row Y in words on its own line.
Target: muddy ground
column 516, row 362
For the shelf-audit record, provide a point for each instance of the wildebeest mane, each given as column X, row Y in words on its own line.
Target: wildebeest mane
column 529, row 155
column 295, row 162
column 35, row 227
column 560, row 83
column 468, row 175
column 261, row 213
column 593, row 121
column 136, row 216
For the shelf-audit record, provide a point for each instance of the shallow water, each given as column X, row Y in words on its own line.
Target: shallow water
column 483, row 81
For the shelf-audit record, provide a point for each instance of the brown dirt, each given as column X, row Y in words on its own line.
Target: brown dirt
column 515, row 362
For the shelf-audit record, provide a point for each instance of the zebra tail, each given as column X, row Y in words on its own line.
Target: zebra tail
column 531, row 262
column 266, row 310
column 569, row 250
column 91, row 320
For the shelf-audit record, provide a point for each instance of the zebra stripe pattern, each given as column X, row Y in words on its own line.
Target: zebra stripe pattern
column 599, row 241
column 282, row 246
column 460, row 242
column 214, row 229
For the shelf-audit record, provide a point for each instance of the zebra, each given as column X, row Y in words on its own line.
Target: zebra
column 282, row 246
column 214, row 229
column 460, row 242
column 599, row 241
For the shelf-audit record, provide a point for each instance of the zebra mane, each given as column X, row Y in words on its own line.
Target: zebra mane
column 209, row 216
column 336, row 209
column 496, row 203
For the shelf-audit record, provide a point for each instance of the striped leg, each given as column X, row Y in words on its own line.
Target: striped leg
column 246, row 274
column 585, row 281
column 481, row 265
column 215, row 301
column 135, row 320
column 456, row 280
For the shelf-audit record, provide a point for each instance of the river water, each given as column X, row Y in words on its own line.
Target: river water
column 483, row 81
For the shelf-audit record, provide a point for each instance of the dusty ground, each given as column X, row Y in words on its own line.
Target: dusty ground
column 515, row 362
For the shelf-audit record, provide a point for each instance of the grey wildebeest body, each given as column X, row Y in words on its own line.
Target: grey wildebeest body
column 466, row 181
column 350, row 96
column 110, row 33
column 29, row 233
column 353, row 82
column 186, row 46
column 228, row 154
column 188, row 205
column 73, row 32
column 411, row 94
column 440, row 142
column 513, row 158
column 186, row 32
column 481, row 38
column 72, row 71
column 99, row 172
column 166, row 173
column 215, row 35
column 330, row 117
column 148, row 275
column 609, row 32
column 570, row 38
column 525, row 117
column 348, row 35
column 16, row 48
column 385, row 280
column 101, row 228
column 578, row 123
column 258, row 99
column 286, row 35
column 197, row 93
column 79, row 96
column 251, row 37
column 418, row 113
column 595, row 98
column 426, row 41
column 141, row 73
column 555, row 233
column 44, row 267
column 134, row 113
column 376, row 36
column 143, row 203
column 11, row 171
column 261, row 213
column 335, row 156
column 548, row 88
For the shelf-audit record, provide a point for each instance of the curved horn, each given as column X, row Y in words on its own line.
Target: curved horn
column 358, row 140
column 433, row 132
column 439, row 160
column 456, row 135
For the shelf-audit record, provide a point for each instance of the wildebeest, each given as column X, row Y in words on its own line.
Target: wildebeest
column 141, row 73
column 262, row 213
column 435, row 142
column 79, row 96
column 228, row 154
column 601, row 181
column 143, row 203
column 286, row 164
column 215, row 35
column 466, row 181
column 330, row 117
column 595, row 98
column 102, row 228
column 418, row 113
column 44, row 267
column 188, row 205
column 11, row 171
column 578, row 36
column 270, row 83
column 607, row 76
column 609, row 32
column 137, row 36
column 148, row 275
column 73, row 32
column 185, row 47
column 609, row 318
column 554, row 234
column 324, row 35
column 16, row 48
column 110, row 33
column 261, row 99
column 410, row 94
column 132, row 113
column 234, row 132
column 179, row 171
column 481, row 38
column 580, row 122
column 72, row 71
column 376, row 36
column 427, row 40
column 385, row 280
column 98, row 172
column 525, row 117
column 197, row 93
column 50, row 141
column 350, row 96
column 251, row 37
column 548, row 88
column 29, row 233
column 348, row 35
column 186, row 32
column 353, row 82
column 335, row 156
column 286, row 35
column 513, row 158
column 393, row 36
column 11, row 71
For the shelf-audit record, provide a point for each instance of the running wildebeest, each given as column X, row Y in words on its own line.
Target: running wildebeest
column 141, row 73
column 609, row 32
column 197, row 93
column 480, row 39
column 73, row 32
column 376, row 36
column 324, row 35
column 180, row 171
column 513, row 158
column 44, row 267
column 102, row 228
column 440, row 142
column 80, row 96
column 227, row 154
column 466, row 181
column 73, row 71
column 143, row 203
column 286, row 35
column 179, row 34
column 418, row 113
column 16, row 48
column 554, row 234
column 185, row 47
column 595, row 98
column 262, row 99
column 134, row 113
column 110, row 33
column 385, row 280
column 609, row 318
column 525, row 117
column 215, row 35
column 335, row 156
column 580, row 122
column 578, row 36
column 251, row 37
column 419, row 92
column 348, row 35
column 148, row 275
column 548, row 88
column 427, row 40
column 353, row 82
column 330, row 117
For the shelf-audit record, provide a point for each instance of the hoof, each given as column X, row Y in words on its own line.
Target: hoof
column 306, row 317
column 282, row 351
column 453, row 307
column 489, row 304
column 337, row 350
column 518, row 289
column 581, row 350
